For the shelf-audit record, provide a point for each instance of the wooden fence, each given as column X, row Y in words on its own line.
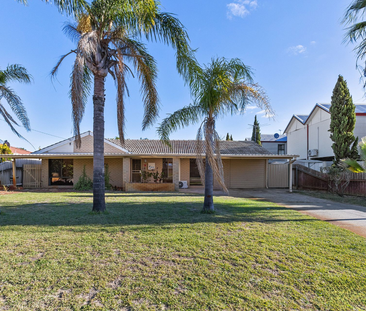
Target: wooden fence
column 32, row 176
column 307, row 178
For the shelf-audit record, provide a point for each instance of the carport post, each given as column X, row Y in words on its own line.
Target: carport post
column 290, row 175
column 14, row 174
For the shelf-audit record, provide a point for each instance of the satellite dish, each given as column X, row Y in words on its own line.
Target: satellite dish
column 276, row 135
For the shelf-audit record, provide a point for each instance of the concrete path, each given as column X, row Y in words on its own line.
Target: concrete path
column 351, row 217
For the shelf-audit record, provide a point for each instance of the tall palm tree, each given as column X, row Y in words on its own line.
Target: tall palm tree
column 107, row 36
column 67, row 6
column 19, row 74
column 356, row 32
column 224, row 86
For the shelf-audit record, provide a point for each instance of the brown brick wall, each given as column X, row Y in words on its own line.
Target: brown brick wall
column 184, row 170
column 44, row 176
column 79, row 166
column 131, row 187
column 115, row 169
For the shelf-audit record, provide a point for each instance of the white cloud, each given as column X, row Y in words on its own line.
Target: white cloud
column 313, row 42
column 251, row 107
column 268, row 115
column 296, row 50
column 261, row 112
column 241, row 8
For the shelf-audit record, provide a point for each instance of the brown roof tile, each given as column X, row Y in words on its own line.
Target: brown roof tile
column 147, row 146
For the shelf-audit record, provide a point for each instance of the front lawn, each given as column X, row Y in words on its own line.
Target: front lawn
column 157, row 252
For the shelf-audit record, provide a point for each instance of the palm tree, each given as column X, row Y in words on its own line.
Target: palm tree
column 352, row 164
column 225, row 86
column 357, row 31
column 19, row 74
column 67, row 6
column 107, row 36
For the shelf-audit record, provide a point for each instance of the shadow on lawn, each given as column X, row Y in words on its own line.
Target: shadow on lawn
column 131, row 211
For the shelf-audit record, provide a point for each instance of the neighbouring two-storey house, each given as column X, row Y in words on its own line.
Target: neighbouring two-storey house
column 245, row 164
column 309, row 136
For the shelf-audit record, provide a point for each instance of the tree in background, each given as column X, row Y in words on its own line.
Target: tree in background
column 224, row 86
column 4, row 149
column 19, row 74
column 342, row 124
column 107, row 33
column 256, row 134
column 229, row 137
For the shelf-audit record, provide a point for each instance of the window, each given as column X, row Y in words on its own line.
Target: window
column 61, row 172
column 136, row 170
column 168, row 170
column 281, row 149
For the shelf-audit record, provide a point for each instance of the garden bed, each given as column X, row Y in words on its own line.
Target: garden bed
column 142, row 187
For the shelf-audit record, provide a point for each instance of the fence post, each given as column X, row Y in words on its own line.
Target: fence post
column 14, row 174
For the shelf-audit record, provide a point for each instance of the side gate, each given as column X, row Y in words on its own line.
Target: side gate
column 278, row 175
column 32, row 176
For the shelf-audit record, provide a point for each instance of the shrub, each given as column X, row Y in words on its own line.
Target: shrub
column 84, row 183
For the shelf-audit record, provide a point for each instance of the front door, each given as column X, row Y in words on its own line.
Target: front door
column 136, row 170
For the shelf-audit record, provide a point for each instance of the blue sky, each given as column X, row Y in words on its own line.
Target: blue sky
column 294, row 48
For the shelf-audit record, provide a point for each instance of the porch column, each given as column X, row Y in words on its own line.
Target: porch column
column 290, row 176
column 176, row 173
column 14, row 174
column 126, row 172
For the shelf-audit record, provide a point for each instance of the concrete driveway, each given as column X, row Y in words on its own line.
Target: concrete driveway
column 351, row 217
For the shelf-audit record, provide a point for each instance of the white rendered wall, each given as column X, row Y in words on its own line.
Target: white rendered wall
column 296, row 139
column 360, row 128
column 319, row 135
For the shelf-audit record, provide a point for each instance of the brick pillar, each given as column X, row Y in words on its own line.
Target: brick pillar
column 44, row 174
column 126, row 172
column 176, row 173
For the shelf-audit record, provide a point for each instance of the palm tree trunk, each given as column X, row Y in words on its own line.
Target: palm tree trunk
column 98, row 134
column 208, row 205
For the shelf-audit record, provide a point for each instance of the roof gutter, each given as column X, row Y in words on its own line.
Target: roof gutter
column 139, row 155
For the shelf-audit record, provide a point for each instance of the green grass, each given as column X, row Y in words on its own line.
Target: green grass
column 158, row 252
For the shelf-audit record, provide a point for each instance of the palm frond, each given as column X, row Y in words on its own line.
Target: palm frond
column 146, row 69
column 200, row 151
column 181, row 118
column 16, row 105
column 9, row 120
column 17, row 73
column 120, row 72
column 168, row 29
column 55, row 69
column 70, row 7
column 355, row 10
column 245, row 94
column 80, row 88
column 72, row 32
column 353, row 166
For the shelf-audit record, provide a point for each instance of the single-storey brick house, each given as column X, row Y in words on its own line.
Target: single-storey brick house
column 245, row 163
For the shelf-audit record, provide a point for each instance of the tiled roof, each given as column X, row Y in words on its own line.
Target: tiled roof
column 147, row 146
column 16, row 150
